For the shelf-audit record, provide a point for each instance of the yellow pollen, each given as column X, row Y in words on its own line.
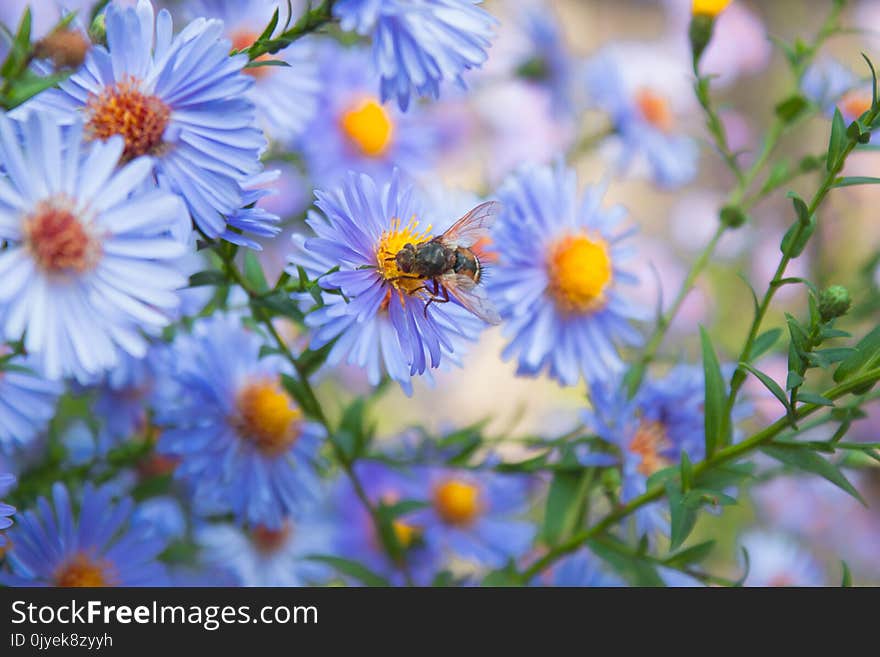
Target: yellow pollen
column 709, row 8
column 58, row 240
column 855, row 104
column 368, row 126
column 457, row 502
column 267, row 417
column 650, row 439
column 405, row 533
column 125, row 110
column 82, row 571
column 268, row 540
column 579, row 269
column 392, row 241
column 655, row 109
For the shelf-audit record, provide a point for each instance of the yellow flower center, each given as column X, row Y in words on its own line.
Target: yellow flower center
column 368, row 126
column 268, row 540
column 392, row 241
column 709, row 8
column 125, row 110
column 579, row 270
column 267, row 417
column 457, row 502
column 855, row 104
column 405, row 533
column 655, row 109
column 648, row 443
column 82, row 570
column 58, row 240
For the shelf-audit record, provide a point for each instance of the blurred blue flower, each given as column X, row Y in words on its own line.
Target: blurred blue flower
column 583, row 569
column 85, row 272
column 181, row 99
column 27, row 403
column 163, row 516
column 286, row 96
column 260, row 556
column 558, row 278
column 643, row 118
column 777, row 560
column 477, row 516
column 53, row 546
column 359, row 132
column 417, row 44
column 829, row 83
column 243, row 443
column 7, row 482
column 379, row 320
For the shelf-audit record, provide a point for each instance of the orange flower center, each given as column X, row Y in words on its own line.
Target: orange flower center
column 854, row 104
column 125, row 110
column 579, row 271
column 648, row 443
column 368, row 127
column 457, row 502
column 268, row 540
column 243, row 40
column 82, row 571
column 58, row 240
column 267, row 417
column 655, row 109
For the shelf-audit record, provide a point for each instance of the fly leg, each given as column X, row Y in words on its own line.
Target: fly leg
column 435, row 295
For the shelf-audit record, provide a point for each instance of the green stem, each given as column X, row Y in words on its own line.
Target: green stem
column 722, row 456
column 311, row 21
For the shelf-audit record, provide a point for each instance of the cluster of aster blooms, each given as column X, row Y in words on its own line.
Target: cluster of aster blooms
column 201, row 211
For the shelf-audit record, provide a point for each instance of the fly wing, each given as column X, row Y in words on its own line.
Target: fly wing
column 471, row 297
column 468, row 230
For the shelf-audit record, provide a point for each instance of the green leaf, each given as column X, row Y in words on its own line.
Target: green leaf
column 867, row 353
column 690, row 555
column 846, row 579
column 253, row 273
column 207, row 277
column 790, row 108
column 813, row 398
column 352, row 569
column 638, row 571
column 683, row 515
column 716, row 425
column 874, row 91
column 795, row 240
column 764, row 342
column 837, row 143
column 353, row 436
column 803, row 458
column 299, row 392
column 722, row 477
column 771, row 385
column 565, row 501
column 686, row 470
column 852, row 181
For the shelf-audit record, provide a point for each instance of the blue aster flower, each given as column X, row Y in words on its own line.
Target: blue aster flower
column 27, row 402
column 260, row 556
column 85, row 272
column 417, row 44
column 359, row 132
column 644, row 119
column 379, row 321
column 181, row 99
column 559, row 277
column 7, row 482
column 243, row 443
column 583, row 569
column 98, row 546
column 286, row 97
column 831, row 84
column 475, row 515
column 357, row 540
column 778, row 560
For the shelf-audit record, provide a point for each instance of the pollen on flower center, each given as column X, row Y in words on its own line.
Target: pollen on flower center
column 125, row 110
column 392, row 241
column 58, row 240
column 579, row 269
column 655, row 109
column 368, row 126
column 267, row 417
column 457, row 502
column 82, row 570
column 855, row 104
column 648, row 442
column 268, row 540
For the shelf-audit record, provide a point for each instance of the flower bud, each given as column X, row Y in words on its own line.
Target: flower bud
column 834, row 302
column 703, row 14
column 732, row 216
column 65, row 48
